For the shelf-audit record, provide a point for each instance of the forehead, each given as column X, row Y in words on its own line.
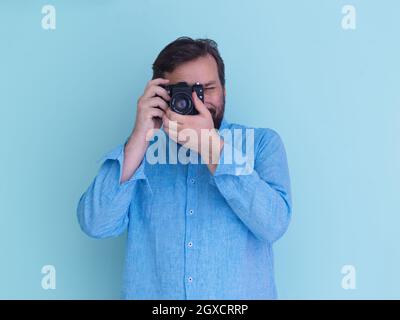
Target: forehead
column 202, row 70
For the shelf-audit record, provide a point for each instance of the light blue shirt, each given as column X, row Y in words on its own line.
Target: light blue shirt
column 191, row 234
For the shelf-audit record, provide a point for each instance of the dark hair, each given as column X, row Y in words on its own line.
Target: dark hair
column 185, row 49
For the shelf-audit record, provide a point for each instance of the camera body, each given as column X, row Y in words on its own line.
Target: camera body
column 181, row 97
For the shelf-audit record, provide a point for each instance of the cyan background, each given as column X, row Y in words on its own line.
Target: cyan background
column 69, row 95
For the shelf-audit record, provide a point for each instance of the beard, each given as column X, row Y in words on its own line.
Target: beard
column 217, row 113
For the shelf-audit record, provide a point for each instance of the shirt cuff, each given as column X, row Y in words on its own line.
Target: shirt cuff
column 233, row 162
column 232, row 167
column 118, row 154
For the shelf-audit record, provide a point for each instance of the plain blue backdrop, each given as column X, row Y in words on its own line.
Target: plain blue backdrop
column 68, row 95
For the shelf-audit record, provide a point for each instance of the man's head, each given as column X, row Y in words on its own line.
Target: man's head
column 192, row 61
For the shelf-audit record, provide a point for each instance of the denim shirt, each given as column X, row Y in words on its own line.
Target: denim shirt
column 192, row 234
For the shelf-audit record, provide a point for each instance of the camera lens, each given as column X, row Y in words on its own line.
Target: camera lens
column 181, row 103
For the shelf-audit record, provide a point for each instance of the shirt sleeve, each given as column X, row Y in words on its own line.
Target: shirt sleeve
column 103, row 209
column 258, row 191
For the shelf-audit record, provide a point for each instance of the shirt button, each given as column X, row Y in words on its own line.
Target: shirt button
column 190, row 244
column 191, row 211
column 192, row 181
column 190, row 279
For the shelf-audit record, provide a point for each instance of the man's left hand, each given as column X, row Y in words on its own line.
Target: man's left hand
column 179, row 127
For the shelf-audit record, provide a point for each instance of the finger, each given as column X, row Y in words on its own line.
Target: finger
column 167, row 123
column 181, row 119
column 157, row 102
column 199, row 105
column 156, row 82
column 155, row 112
column 153, row 91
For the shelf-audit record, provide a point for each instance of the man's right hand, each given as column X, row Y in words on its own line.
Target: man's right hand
column 151, row 107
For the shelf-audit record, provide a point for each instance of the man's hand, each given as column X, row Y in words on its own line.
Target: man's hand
column 150, row 110
column 151, row 107
column 181, row 129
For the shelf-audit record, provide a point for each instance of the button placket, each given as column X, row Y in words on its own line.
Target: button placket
column 191, row 206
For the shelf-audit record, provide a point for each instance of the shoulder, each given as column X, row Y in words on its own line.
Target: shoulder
column 262, row 136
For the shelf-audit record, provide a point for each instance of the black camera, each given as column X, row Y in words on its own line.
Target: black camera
column 181, row 97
